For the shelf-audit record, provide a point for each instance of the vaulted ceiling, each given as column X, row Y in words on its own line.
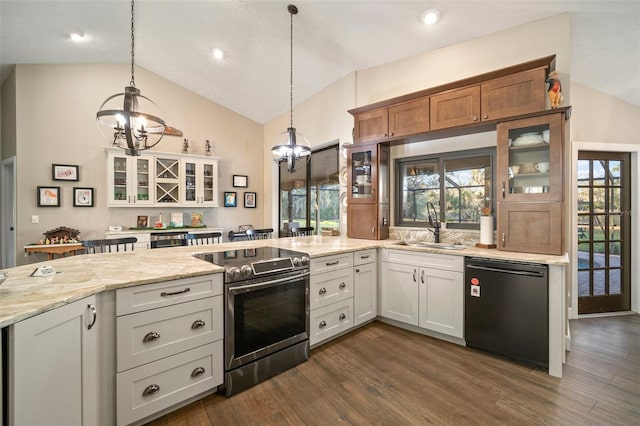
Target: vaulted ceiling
column 175, row 39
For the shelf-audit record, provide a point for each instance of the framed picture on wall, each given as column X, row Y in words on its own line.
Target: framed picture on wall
column 65, row 172
column 230, row 199
column 48, row 196
column 250, row 200
column 240, row 181
column 82, row 197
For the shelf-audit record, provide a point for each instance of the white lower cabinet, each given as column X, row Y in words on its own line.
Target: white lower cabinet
column 53, row 365
column 399, row 292
column 331, row 296
column 169, row 344
column 424, row 290
column 365, row 286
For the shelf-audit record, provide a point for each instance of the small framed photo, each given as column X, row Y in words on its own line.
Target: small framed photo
column 250, row 200
column 82, row 197
column 143, row 222
column 240, row 181
column 48, row 196
column 231, row 254
column 65, row 172
column 230, row 199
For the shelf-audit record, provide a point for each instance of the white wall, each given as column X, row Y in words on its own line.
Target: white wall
column 55, row 113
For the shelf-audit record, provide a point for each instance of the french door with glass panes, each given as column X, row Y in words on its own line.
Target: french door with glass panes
column 604, row 232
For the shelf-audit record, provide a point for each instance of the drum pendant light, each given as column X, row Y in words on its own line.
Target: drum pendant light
column 129, row 120
column 291, row 146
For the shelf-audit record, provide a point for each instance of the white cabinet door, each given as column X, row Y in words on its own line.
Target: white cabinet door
column 365, row 292
column 399, row 292
column 200, row 182
column 442, row 301
column 130, row 180
column 53, row 364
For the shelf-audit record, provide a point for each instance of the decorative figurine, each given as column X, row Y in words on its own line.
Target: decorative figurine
column 185, row 146
column 554, row 90
column 207, row 148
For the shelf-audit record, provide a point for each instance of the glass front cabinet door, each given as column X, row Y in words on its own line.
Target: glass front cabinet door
column 530, row 159
column 129, row 180
column 200, row 182
column 363, row 175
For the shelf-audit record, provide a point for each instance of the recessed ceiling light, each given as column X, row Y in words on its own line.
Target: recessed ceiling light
column 77, row 37
column 430, row 16
column 218, row 53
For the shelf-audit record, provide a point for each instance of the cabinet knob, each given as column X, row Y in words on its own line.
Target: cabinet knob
column 342, row 317
column 151, row 336
column 322, row 324
column 322, row 291
column 197, row 324
column 357, row 270
column 485, row 116
column 197, row 372
column 342, row 286
column 391, row 134
column 150, row 390
column 475, row 118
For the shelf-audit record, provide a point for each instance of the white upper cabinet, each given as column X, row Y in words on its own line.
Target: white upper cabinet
column 161, row 180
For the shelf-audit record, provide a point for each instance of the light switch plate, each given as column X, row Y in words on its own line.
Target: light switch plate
column 35, row 219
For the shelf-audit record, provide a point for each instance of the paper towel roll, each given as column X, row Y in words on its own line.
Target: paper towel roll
column 486, row 229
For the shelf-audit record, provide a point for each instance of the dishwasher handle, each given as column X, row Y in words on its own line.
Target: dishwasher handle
column 507, row 271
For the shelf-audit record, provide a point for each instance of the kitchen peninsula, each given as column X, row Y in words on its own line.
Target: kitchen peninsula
column 82, row 277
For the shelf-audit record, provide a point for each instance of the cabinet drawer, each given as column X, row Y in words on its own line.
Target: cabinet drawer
column 177, row 378
column 330, row 263
column 331, row 287
column 151, row 335
column 157, row 295
column 430, row 260
column 331, row 320
column 365, row 256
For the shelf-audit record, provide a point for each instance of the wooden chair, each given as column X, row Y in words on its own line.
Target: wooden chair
column 259, row 234
column 301, row 231
column 108, row 245
column 203, row 238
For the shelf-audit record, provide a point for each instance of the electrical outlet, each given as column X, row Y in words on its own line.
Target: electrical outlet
column 35, row 219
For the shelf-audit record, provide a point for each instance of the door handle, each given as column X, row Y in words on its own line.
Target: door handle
column 93, row 311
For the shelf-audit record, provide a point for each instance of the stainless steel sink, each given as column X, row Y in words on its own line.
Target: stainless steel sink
column 427, row 244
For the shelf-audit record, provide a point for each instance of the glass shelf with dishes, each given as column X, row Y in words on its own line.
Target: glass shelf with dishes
column 128, row 180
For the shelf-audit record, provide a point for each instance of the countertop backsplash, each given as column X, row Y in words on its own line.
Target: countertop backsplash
column 467, row 237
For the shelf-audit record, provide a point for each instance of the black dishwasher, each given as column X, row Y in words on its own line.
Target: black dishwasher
column 507, row 309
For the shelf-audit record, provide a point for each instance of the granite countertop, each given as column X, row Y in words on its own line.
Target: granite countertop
column 23, row 296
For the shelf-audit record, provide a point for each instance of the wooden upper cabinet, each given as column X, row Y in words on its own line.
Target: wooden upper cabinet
column 514, row 95
column 531, row 227
column 455, row 108
column 409, row 118
column 371, row 126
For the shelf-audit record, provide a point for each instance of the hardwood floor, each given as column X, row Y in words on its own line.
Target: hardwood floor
column 383, row 375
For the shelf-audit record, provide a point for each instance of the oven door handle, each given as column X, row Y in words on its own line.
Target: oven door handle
column 268, row 283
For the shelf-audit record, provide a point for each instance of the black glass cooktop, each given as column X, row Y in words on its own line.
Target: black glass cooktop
column 247, row 256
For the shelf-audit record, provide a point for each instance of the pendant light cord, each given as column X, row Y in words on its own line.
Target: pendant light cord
column 133, row 44
column 291, row 68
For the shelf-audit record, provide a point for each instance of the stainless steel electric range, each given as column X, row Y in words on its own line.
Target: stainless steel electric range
column 266, row 297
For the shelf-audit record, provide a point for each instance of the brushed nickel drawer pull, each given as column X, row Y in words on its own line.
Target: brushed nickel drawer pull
column 342, row 286
column 197, row 324
column 342, row 317
column 322, row 324
column 197, row 372
column 150, row 390
column 151, row 337
column 332, row 263
column 364, row 257
column 173, row 293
